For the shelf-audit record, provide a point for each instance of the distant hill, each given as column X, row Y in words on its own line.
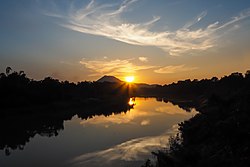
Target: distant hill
column 107, row 78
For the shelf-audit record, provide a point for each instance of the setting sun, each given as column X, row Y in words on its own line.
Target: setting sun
column 129, row 79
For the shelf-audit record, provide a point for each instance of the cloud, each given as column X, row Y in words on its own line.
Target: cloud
column 174, row 69
column 106, row 20
column 143, row 59
column 145, row 122
column 119, row 67
column 196, row 20
column 113, row 67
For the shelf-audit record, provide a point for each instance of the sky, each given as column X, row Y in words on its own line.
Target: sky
column 160, row 41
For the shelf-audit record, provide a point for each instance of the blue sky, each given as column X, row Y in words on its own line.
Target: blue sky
column 157, row 41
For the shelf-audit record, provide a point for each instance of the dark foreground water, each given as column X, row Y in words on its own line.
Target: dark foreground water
column 120, row 140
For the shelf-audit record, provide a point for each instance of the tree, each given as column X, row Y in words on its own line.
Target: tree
column 2, row 75
column 21, row 73
column 214, row 79
column 247, row 74
column 8, row 70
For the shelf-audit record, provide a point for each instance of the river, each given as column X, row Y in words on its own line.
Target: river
column 124, row 139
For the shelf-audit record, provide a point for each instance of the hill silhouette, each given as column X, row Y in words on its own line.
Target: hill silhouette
column 107, row 78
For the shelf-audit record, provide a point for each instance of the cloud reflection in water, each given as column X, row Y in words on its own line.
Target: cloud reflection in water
column 141, row 114
column 132, row 150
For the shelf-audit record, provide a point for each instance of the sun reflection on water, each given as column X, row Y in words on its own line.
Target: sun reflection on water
column 131, row 101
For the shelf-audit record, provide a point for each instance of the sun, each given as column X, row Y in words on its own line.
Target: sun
column 129, row 79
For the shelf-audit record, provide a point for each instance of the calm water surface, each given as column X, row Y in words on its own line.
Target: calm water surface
column 120, row 140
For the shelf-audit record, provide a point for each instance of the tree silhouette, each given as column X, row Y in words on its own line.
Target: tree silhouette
column 247, row 74
column 8, row 70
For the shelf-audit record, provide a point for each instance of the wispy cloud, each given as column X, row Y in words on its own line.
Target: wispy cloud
column 143, row 59
column 113, row 67
column 195, row 20
column 174, row 69
column 105, row 20
column 119, row 67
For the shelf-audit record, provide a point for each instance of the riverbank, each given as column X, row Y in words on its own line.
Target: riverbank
column 218, row 136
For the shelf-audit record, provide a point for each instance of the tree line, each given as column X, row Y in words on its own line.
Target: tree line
column 17, row 90
column 196, row 89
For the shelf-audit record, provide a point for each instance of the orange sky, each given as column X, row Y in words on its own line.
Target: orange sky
column 155, row 41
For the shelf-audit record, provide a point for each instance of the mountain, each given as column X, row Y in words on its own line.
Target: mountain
column 107, row 78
